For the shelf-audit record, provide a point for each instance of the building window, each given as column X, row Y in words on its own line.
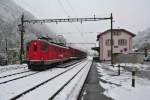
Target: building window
column 115, row 46
column 108, row 42
column 116, row 33
column 122, row 42
column 109, row 53
column 44, row 46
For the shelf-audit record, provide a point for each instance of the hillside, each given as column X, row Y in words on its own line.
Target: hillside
column 142, row 38
column 10, row 14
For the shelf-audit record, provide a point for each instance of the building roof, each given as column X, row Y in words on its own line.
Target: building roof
column 124, row 30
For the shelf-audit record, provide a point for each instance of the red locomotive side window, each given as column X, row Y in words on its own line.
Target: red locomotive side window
column 60, row 50
column 55, row 49
column 44, row 46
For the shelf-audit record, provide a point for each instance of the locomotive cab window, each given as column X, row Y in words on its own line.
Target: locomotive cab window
column 35, row 47
column 44, row 46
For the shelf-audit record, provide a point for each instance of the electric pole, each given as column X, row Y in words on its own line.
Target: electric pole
column 111, row 18
column 6, row 51
column 21, row 29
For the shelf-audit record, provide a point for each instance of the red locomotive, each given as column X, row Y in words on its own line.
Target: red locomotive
column 41, row 53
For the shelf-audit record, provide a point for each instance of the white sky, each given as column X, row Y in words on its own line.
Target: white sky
column 132, row 15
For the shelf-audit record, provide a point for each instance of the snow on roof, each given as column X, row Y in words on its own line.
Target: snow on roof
column 124, row 30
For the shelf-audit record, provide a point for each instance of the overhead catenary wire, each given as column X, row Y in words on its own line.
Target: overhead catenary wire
column 77, row 28
column 60, row 3
column 68, row 2
column 29, row 6
column 63, row 8
column 66, row 13
column 82, row 34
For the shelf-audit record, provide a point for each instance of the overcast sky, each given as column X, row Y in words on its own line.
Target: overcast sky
column 132, row 15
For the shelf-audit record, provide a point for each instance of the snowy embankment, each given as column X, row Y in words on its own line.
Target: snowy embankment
column 72, row 91
column 139, row 67
column 50, row 88
column 44, row 92
column 119, row 87
column 11, row 67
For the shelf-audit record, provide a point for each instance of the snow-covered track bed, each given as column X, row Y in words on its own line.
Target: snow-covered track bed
column 16, row 76
column 65, row 65
column 23, row 87
column 4, row 76
column 70, row 89
column 12, row 68
column 51, row 79
column 22, row 73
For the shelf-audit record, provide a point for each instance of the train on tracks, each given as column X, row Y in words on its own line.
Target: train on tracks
column 41, row 53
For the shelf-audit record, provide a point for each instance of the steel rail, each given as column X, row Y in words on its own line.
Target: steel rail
column 57, row 92
column 13, row 74
column 33, row 88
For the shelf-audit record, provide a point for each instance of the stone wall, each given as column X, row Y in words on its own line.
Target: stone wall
column 129, row 58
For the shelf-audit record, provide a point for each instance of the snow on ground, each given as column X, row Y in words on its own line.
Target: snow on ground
column 138, row 66
column 16, row 87
column 119, row 87
column 13, row 71
column 15, row 76
column 51, row 87
column 11, row 67
column 13, row 88
column 72, row 91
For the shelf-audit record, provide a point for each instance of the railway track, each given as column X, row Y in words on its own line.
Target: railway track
column 28, row 71
column 41, row 84
column 35, row 84
column 18, row 77
column 13, row 74
column 65, row 65
column 3, row 69
column 63, row 86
